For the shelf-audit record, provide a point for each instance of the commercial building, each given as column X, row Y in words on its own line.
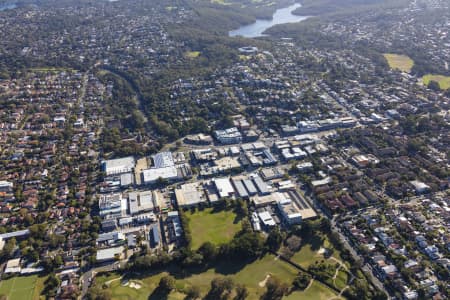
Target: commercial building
column 266, row 219
column 13, row 266
column 110, row 238
column 109, row 254
column 262, row 201
column 198, row 139
column 109, row 225
column 140, row 202
column 111, row 205
column 125, row 221
column 145, row 218
column 118, row 166
column 240, row 188
column 152, row 175
column 271, row 173
column 163, row 160
column 261, row 185
column 126, row 180
column 174, row 225
column 228, row 136
column 154, row 237
column 289, row 211
column 224, row 187
column 189, row 194
column 305, row 166
column 251, row 188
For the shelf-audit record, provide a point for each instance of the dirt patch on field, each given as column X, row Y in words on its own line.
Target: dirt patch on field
column 263, row 282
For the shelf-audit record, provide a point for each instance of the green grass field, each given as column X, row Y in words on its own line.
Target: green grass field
column 400, row 62
column 251, row 275
column 192, row 54
column 215, row 227
column 341, row 279
column 444, row 81
column 23, row 288
column 316, row 291
column 310, row 251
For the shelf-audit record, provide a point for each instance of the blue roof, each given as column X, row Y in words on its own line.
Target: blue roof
column 154, row 236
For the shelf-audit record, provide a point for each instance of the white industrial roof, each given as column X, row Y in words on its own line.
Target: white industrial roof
column 119, row 165
column 152, row 175
column 140, row 201
column 109, row 253
column 163, row 159
column 224, row 187
column 266, row 218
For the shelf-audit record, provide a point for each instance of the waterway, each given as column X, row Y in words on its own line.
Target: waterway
column 7, row 6
column 281, row 16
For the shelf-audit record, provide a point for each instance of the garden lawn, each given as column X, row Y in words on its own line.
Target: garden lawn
column 400, row 62
column 208, row 225
column 444, row 81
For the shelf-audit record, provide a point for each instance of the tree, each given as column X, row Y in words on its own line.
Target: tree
column 294, row 243
column 275, row 289
column 245, row 244
column 58, row 261
column 286, row 252
column 414, row 145
column 325, row 225
column 434, row 85
column 8, row 249
column 302, row 280
column 221, row 288
column 358, row 290
column 50, row 285
column 241, row 292
column 192, row 293
column 208, row 251
column 97, row 293
column 167, row 283
column 274, row 239
column 193, row 259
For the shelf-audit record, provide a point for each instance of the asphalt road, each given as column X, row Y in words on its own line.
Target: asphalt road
column 366, row 268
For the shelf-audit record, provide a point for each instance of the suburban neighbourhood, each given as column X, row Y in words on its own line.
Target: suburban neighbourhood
column 146, row 154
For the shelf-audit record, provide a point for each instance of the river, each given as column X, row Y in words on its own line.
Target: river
column 281, row 16
column 7, row 6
